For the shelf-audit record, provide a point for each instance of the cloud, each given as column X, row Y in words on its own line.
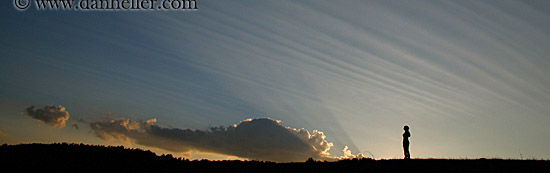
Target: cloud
column 5, row 139
column 75, row 126
column 54, row 116
column 348, row 155
column 257, row 139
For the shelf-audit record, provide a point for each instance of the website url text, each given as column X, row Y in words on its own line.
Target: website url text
column 108, row 4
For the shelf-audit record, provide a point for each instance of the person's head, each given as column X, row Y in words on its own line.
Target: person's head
column 406, row 128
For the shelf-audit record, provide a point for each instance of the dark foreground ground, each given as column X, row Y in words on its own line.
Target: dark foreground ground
column 91, row 158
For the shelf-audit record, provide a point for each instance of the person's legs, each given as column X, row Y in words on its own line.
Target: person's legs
column 406, row 149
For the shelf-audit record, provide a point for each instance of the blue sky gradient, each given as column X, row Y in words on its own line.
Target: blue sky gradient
column 470, row 78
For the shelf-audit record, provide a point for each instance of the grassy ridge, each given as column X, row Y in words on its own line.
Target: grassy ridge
column 95, row 158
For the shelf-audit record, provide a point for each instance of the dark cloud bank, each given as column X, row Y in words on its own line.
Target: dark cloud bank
column 55, row 116
column 258, row 139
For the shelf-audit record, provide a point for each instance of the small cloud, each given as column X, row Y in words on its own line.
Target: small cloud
column 5, row 139
column 55, row 116
column 75, row 125
column 348, row 155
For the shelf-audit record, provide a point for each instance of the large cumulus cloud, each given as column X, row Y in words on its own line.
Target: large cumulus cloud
column 258, row 139
column 55, row 116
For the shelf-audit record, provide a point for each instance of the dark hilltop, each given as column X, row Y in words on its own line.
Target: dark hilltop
column 63, row 157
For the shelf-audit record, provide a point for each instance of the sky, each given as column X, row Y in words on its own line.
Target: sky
column 255, row 79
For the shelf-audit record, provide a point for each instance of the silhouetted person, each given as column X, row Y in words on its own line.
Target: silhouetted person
column 406, row 136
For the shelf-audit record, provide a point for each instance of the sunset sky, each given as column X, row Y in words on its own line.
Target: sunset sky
column 470, row 78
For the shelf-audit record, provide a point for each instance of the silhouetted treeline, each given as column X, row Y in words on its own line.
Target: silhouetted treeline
column 95, row 158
